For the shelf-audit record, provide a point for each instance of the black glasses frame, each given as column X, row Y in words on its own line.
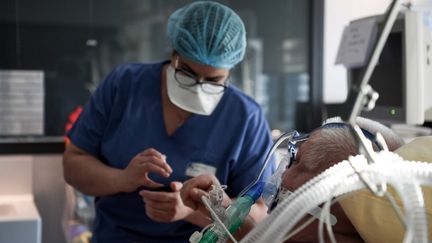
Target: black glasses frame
column 179, row 71
column 293, row 146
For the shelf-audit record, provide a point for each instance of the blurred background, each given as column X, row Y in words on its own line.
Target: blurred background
column 54, row 53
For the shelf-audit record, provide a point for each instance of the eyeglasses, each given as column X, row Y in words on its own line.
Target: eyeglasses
column 293, row 145
column 187, row 79
column 295, row 142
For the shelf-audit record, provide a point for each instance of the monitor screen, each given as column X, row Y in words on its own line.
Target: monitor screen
column 388, row 79
column 402, row 76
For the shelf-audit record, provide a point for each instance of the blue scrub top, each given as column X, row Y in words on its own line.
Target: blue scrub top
column 124, row 117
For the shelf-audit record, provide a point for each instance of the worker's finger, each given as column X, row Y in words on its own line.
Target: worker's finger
column 156, row 161
column 151, row 167
column 151, row 151
column 197, row 193
column 161, row 197
column 176, row 186
column 147, row 182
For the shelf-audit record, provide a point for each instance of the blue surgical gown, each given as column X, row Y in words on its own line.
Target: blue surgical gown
column 124, row 117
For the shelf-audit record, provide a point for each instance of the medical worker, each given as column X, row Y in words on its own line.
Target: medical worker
column 149, row 127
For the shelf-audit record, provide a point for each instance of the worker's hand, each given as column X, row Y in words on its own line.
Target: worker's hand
column 193, row 189
column 136, row 173
column 165, row 206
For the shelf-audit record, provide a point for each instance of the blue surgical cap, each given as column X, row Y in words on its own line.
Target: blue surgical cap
column 208, row 33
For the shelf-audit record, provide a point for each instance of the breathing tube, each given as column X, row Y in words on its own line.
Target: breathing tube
column 288, row 135
column 237, row 212
column 233, row 218
column 405, row 176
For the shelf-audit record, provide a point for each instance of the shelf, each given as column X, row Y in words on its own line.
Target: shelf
column 31, row 145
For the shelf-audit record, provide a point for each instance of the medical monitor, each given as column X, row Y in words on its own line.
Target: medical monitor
column 403, row 76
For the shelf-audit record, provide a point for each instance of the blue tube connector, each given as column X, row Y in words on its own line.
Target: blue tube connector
column 256, row 190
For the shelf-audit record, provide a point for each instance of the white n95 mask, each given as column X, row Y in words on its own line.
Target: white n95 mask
column 193, row 98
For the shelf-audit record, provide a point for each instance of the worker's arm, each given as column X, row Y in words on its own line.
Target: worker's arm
column 258, row 211
column 199, row 218
column 89, row 175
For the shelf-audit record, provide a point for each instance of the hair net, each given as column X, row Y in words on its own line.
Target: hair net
column 208, row 33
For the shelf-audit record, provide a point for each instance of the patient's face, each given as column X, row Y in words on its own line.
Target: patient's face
column 302, row 171
column 322, row 150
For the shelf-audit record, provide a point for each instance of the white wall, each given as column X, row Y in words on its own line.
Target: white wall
column 16, row 175
column 337, row 14
column 49, row 193
column 42, row 176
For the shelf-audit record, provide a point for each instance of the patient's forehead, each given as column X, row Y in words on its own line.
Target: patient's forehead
column 303, row 147
column 295, row 176
column 299, row 173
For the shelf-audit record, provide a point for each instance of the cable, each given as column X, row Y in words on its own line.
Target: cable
column 325, row 212
column 216, row 217
column 311, row 219
column 397, row 209
column 308, row 222
column 300, row 228
column 273, row 148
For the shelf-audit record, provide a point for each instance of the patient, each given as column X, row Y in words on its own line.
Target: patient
column 325, row 147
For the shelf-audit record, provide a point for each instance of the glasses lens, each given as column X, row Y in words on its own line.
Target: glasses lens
column 184, row 79
column 212, row 88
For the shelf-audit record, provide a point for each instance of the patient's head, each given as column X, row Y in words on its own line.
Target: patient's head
column 330, row 144
column 325, row 147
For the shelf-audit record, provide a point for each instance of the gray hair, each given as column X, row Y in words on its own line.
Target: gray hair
column 330, row 145
column 392, row 139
